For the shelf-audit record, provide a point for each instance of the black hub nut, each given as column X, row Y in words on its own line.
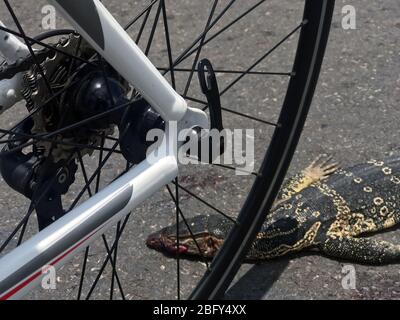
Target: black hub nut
column 134, row 126
column 98, row 94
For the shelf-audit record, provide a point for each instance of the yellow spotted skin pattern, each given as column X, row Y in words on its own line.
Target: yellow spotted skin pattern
column 335, row 213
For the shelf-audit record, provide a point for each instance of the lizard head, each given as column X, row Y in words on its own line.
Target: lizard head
column 207, row 235
column 279, row 236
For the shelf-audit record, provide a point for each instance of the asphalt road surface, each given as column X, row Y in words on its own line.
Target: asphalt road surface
column 354, row 117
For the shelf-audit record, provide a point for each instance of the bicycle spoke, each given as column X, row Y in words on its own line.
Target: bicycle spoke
column 240, row 17
column 144, row 23
column 243, row 115
column 113, row 262
column 91, row 119
column 108, row 257
column 86, row 256
column 93, row 177
column 198, row 51
column 98, row 178
column 82, row 277
column 189, row 228
column 235, row 169
column 268, row 53
column 153, row 30
column 145, row 11
column 261, row 73
column 111, row 138
column 85, row 177
column 168, row 41
column 19, row 226
column 25, row 225
column 250, row 117
column 177, row 185
column 215, row 21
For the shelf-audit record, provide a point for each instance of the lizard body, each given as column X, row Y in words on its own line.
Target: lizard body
column 323, row 208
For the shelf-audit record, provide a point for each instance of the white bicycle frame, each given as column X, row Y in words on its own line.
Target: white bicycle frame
column 21, row 269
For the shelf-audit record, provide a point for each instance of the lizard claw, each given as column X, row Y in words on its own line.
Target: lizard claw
column 321, row 168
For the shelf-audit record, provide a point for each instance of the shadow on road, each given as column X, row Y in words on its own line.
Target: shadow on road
column 256, row 282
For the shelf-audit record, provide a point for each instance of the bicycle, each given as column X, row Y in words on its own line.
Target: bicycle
column 99, row 54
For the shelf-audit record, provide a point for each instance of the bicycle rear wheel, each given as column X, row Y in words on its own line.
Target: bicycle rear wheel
column 313, row 24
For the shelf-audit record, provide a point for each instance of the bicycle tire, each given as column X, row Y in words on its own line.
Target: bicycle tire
column 309, row 58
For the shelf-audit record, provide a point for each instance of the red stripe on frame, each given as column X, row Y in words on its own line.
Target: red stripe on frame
column 32, row 278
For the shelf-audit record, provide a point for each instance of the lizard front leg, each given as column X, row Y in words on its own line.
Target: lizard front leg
column 362, row 250
column 320, row 169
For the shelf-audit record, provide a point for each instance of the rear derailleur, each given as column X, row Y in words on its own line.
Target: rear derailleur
column 37, row 177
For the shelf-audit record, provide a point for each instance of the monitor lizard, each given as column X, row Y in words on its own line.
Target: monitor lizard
column 323, row 208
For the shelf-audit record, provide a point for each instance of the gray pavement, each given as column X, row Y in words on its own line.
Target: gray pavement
column 354, row 117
